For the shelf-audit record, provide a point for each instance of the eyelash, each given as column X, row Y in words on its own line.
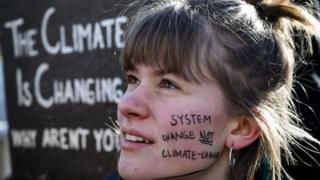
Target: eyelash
column 131, row 79
column 167, row 84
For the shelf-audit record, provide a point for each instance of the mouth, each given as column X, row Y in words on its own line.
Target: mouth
column 133, row 140
column 136, row 138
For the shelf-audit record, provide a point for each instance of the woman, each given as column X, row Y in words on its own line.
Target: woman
column 209, row 88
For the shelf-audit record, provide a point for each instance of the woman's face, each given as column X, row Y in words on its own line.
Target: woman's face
column 169, row 126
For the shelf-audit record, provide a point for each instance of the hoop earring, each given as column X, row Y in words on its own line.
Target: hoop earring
column 232, row 159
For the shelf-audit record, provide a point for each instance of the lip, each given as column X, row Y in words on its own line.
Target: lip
column 134, row 146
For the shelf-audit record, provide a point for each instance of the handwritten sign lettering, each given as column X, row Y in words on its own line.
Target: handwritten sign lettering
column 63, row 82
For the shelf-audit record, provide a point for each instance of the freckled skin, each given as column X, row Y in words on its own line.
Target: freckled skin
column 147, row 107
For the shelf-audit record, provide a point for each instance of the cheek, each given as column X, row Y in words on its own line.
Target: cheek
column 187, row 139
column 191, row 136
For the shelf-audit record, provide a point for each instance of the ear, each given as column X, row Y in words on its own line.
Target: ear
column 244, row 131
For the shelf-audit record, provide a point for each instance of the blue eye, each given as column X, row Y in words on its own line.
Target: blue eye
column 167, row 84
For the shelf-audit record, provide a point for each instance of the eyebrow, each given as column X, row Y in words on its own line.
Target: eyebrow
column 158, row 72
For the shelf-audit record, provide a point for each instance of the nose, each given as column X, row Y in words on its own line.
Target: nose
column 133, row 104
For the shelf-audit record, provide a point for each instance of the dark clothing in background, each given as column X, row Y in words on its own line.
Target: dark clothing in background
column 309, row 109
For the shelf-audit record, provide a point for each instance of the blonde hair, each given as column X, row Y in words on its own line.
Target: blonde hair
column 247, row 46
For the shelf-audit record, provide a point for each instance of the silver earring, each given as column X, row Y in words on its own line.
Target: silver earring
column 232, row 159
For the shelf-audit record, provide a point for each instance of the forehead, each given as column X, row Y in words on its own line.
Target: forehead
column 169, row 41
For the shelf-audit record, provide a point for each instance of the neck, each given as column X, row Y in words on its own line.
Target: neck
column 219, row 170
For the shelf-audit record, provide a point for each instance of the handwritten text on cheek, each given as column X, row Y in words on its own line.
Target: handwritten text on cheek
column 189, row 119
column 189, row 154
column 203, row 136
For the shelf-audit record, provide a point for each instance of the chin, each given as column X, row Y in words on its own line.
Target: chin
column 136, row 170
column 129, row 170
column 132, row 173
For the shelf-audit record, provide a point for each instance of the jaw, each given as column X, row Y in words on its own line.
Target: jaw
column 219, row 170
column 132, row 167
